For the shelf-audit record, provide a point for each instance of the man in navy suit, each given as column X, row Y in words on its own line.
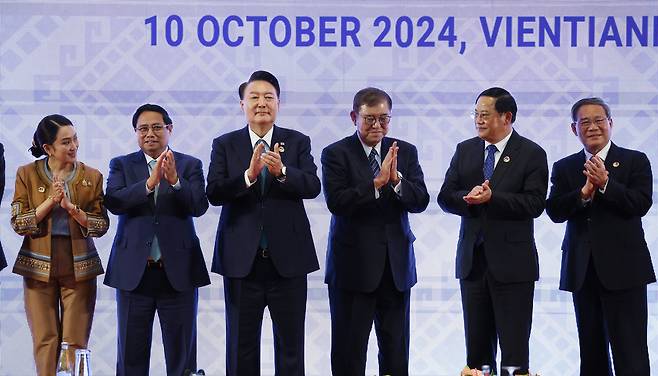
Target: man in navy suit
column 260, row 175
column 371, row 183
column 156, row 264
column 602, row 192
column 497, row 184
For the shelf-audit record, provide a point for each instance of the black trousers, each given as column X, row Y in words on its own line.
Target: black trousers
column 246, row 299
column 177, row 314
column 493, row 312
column 616, row 319
column 352, row 316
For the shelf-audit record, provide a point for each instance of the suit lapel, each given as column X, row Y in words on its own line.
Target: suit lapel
column 386, row 144
column 277, row 136
column 576, row 169
column 360, row 158
column 242, row 147
column 141, row 171
column 507, row 159
column 476, row 158
column 612, row 161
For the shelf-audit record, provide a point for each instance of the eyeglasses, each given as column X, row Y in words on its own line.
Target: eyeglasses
column 371, row 120
column 157, row 128
column 480, row 115
column 585, row 123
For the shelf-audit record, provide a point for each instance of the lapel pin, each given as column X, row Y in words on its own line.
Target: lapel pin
column 506, row 159
column 615, row 164
column 281, row 147
column 41, row 189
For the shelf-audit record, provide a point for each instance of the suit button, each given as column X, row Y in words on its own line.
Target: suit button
column 589, row 219
column 156, row 222
column 148, row 244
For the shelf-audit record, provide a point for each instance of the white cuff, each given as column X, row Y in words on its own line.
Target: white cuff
column 246, row 179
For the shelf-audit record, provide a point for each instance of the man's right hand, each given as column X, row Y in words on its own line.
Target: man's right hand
column 588, row 190
column 256, row 164
column 385, row 171
column 156, row 173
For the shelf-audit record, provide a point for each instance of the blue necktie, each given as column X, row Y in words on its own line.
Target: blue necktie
column 488, row 167
column 155, row 246
column 263, row 180
column 374, row 165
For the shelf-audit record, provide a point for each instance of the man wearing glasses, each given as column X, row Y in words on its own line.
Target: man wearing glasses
column 497, row 184
column 602, row 192
column 371, row 183
column 156, row 263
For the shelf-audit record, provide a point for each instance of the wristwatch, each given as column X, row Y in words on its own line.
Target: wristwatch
column 281, row 178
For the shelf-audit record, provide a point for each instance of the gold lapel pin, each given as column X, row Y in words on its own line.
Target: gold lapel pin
column 281, row 147
column 41, row 189
column 506, row 159
column 615, row 164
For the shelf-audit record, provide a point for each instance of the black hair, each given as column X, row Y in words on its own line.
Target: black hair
column 241, row 89
column 504, row 100
column 262, row 75
column 592, row 100
column 154, row 108
column 371, row 96
column 46, row 133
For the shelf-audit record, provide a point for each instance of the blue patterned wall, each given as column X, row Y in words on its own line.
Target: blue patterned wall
column 95, row 64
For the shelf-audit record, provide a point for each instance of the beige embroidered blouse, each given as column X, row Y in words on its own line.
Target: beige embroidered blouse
column 32, row 188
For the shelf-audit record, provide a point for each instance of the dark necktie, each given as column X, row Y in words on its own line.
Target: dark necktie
column 263, row 172
column 374, row 165
column 488, row 167
column 262, row 243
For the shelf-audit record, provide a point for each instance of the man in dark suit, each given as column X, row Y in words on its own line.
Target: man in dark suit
column 3, row 261
column 156, row 262
column 497, row 184
column 260, row 175
column 603, row 191
column 371, row 183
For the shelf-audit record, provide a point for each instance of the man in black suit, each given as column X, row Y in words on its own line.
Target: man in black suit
column 497, row 184
column 260, row 175
column 603, row 191
column 156, row 264
column 371, row 183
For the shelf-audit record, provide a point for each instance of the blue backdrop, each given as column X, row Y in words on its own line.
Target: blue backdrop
column 95, row 63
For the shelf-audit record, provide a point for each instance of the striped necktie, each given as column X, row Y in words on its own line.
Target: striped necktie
column 374, row 165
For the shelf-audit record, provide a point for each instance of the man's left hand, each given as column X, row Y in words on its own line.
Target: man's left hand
column 273, row 161
column 169, row 168
column 394, row 178
column 480, row 194
column 596, row 172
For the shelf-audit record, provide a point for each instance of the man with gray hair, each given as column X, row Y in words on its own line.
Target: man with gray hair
column 602, row 192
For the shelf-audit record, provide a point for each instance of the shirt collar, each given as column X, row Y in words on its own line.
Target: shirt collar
column 149, row 158
column 500, row 145
column 366, row 148
column 254, row 137
column 603, row 153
